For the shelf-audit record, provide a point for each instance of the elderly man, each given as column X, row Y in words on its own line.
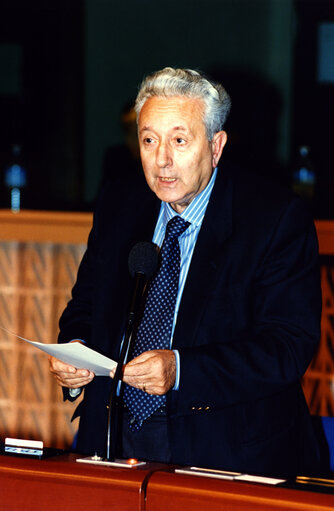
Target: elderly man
column 231, row 317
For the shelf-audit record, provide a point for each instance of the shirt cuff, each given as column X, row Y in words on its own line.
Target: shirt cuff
column 75, row 392
column 177, row 376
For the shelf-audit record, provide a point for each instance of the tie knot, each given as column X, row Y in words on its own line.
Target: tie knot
column 175, row 227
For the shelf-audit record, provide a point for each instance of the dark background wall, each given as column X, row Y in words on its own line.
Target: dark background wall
column 41, row 98
column 67, row 68
column 126, row 40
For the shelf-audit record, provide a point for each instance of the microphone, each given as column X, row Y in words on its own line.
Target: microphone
column 142, row 263
column 143, row 258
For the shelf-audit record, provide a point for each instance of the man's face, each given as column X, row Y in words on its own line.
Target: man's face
column 178, row 160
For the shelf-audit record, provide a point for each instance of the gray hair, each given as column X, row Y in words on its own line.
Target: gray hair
column 170, row 82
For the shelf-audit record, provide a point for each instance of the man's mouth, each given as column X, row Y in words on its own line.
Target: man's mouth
column 168, row 179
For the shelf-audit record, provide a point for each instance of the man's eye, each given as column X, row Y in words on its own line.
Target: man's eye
column 180, row 140
column 148, row 140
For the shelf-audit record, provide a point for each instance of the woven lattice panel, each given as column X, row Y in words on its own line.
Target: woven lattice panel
column 35, row 284
column 318, row 382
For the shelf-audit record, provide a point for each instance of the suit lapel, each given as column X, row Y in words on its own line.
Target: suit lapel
column 206, row 260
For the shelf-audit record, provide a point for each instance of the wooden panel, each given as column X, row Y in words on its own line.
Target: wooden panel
column 61, row 483
column 56, row 226
column 35, row 284
column 174, row 492
column 39, row 255
column 318, row 382
column 325, row 231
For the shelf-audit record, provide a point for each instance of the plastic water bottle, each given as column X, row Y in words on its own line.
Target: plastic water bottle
column 15, row 179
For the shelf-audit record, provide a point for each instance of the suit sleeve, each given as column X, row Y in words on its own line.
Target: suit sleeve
column 75, row 321
column 275, row 321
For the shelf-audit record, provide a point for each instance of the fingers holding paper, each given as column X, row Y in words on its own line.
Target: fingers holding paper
column 69, row 376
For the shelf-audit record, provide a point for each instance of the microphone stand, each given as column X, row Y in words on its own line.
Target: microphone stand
column 140, row 281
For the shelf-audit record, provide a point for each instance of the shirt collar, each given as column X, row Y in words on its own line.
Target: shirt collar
column 194, row 213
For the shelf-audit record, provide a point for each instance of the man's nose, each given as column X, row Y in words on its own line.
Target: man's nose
column 164, row 158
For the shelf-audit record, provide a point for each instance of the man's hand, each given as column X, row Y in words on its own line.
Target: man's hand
column 152, row 371
column 69, row 376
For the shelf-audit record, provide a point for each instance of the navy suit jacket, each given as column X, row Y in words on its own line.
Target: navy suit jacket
column 247, row 327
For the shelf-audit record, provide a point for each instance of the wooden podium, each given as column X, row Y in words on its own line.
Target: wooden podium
column 60, row 483
column 176, row 492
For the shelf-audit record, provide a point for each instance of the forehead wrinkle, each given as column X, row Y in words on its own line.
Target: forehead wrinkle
column 171, row 115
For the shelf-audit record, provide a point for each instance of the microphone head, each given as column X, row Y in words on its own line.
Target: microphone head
column 143, row 258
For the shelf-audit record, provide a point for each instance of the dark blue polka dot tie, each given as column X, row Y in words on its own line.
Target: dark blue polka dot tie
column 155, row 328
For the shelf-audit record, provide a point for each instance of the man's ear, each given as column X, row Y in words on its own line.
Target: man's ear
column 217, row 144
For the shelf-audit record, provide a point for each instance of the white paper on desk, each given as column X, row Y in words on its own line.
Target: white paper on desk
column 78, row 355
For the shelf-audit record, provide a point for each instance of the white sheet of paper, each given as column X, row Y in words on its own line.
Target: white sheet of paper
column 75, row 354
column 259, row 479
column 78, row 355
